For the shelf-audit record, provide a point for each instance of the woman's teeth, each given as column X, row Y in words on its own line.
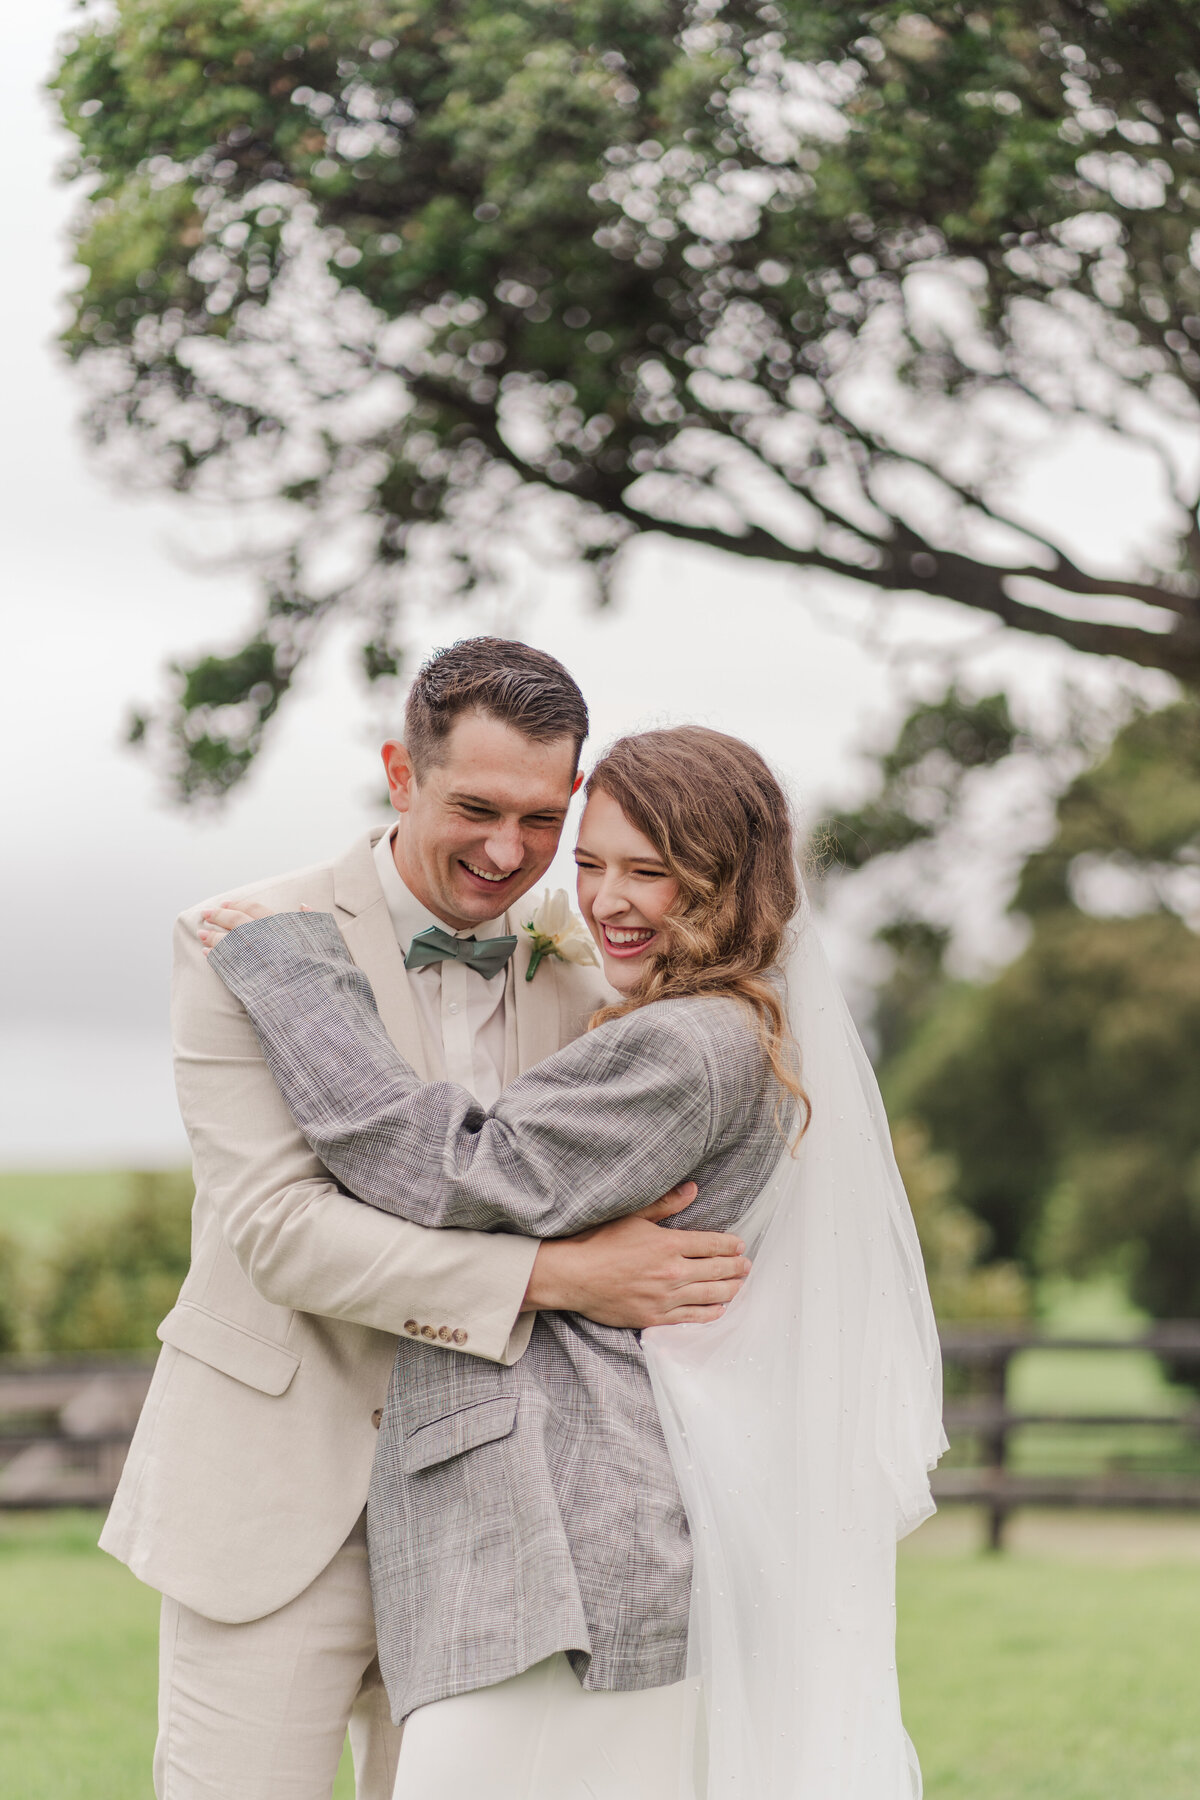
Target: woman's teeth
column 640, row 936
column 482, row 873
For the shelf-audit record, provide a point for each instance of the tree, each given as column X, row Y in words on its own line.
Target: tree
column 963, row 1283
column 110, row 1281
column 1065, row 1088
column 12, row 1288
column 783, row 280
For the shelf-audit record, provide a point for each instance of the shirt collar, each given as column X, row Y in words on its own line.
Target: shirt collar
column 407, row 914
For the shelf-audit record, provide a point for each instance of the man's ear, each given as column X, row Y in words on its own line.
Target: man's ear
column 401, row 776
column 577, row 783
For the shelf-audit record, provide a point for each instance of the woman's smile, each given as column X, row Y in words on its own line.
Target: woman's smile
column 626, row 940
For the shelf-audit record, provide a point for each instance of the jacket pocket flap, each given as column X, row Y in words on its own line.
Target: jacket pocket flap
column 443, row 1438
column 230, row 1348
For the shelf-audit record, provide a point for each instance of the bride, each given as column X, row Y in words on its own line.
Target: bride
column 658, row 1569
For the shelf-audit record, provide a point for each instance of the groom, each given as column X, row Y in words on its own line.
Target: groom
column 242, row 1498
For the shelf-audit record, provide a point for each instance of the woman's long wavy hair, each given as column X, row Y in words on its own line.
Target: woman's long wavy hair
column 721, row 823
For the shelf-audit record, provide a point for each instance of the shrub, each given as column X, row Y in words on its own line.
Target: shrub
column 111, row 1281
column 953, row 1240
column 11, row 1272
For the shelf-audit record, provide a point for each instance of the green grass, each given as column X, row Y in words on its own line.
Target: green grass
column 1023, row 1678
column 78, row 1666
column 36, row 1205
column 1041, row 1680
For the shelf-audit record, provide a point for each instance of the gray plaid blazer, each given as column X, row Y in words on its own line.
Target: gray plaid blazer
column 518, row 1511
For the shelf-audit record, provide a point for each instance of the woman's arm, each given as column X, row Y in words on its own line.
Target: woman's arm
column 596, row 1131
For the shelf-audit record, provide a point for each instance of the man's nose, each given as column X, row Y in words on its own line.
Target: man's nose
column 505, row 846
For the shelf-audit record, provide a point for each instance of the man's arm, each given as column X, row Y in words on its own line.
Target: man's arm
column 632, row 1273
column 305, row 1244
column 301, row 1241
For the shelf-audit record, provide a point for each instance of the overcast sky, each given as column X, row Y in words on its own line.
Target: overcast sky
column 96, row 598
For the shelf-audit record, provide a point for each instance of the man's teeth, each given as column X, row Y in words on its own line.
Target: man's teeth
column 627, row 937
column 482, row 873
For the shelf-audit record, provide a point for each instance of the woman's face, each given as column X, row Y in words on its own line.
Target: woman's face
column 624, row 891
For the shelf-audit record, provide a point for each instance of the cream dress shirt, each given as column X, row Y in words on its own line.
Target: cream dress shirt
column 463, row 1017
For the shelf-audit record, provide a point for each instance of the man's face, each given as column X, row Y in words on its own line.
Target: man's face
column 478, row 828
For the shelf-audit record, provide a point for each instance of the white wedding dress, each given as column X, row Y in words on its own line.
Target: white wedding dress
column 540, row 1736
column 802, row 1427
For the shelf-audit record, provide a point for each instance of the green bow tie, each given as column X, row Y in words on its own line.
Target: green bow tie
column 487, row 956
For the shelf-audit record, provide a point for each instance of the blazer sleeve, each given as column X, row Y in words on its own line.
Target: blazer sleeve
column 591, row 1133
column 296, row 1234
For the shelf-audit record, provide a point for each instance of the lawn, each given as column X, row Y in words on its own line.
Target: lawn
column 1024, row 1677
column 78, row 1666
column 1030, row 1678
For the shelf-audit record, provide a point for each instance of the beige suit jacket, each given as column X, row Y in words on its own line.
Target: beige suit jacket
column 253, row 1454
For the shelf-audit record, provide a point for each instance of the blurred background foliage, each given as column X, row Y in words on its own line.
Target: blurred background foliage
column 420, row 290
column 1062, row 1089
column 103, row 1278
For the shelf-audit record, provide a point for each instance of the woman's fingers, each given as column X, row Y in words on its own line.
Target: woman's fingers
column 230, row 916
column 215, row 921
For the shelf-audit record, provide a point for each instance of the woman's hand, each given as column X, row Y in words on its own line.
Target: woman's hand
column 218, row 921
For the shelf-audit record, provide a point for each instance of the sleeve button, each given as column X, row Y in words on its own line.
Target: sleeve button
column 444, row 1333
column 411, row 1326
column 427, row 1331
column 458, row 1337
column 377, row 1417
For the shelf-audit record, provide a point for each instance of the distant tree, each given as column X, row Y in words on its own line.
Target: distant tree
column 920, row 789
column 1066, row 1088
column 425, row 283
column 12, row 1267
column 108, row 1282
column 964, row 1282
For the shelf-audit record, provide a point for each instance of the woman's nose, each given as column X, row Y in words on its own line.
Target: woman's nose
column 610, row 900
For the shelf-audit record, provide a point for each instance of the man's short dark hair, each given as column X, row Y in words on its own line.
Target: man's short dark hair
column 512, row 682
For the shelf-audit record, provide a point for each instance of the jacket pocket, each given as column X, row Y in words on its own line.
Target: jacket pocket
column 450, row 1435
column 229, row 1348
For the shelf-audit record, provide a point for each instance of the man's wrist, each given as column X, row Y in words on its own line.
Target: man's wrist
column 549, row 1287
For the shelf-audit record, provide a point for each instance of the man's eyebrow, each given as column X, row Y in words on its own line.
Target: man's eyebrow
column 491, row 806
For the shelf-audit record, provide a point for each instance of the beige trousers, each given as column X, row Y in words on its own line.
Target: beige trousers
column 260, row 1711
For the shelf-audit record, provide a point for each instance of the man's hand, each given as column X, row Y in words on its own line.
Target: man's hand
column 632, row 1273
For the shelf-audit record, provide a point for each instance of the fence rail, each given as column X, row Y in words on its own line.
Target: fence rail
column 986, row 1419
column 65, row 1428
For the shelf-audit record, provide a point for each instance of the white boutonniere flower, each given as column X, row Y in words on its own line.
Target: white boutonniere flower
column 557, row 931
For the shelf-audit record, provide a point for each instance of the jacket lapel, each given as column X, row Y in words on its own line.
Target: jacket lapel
column 365, row 923
column 532, row 1011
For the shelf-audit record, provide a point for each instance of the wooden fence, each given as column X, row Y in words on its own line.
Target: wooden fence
column 65, row 1428
column 982, row 1420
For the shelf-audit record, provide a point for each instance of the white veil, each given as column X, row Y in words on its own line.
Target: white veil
column 802, row 1427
